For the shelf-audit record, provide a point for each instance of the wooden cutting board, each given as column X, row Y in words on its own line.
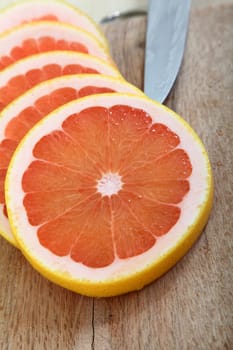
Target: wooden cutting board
column 191, row 306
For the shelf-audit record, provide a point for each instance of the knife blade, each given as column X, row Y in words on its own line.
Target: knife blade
column 165, row 43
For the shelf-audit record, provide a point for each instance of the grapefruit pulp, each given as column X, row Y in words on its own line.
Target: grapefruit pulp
column 32, row 106
column 54, row 10
column 106, row 193
column 28, row 72
column 38, row 37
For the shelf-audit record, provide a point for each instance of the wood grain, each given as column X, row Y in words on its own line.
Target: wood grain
column 128, row 53
column 191, row 306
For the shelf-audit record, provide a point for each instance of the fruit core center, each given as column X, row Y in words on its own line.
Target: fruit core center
column 109, row 184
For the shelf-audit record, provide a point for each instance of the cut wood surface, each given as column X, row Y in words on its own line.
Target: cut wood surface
column 190, row 307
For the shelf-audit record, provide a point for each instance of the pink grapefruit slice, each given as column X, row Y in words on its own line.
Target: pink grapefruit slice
column 107, row 193
column 28, row 72
column 21, row 115
column 53, row 10
column 38, row 37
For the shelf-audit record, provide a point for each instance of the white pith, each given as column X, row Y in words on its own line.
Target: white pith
column 109, row 184
column 58, row 31
column 190, row 206
column 28, row 10
column 77, row 81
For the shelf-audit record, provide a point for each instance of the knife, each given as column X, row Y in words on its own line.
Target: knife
column 165, row 43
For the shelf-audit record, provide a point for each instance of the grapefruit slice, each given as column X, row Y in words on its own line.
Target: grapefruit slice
column 53, row 10
column 30, row 71
column 38, row 37
column 106, row 193
column 28, row 109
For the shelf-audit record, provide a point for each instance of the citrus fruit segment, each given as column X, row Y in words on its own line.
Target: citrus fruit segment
column 28, row 109
column 30, row 71
column 38, row 37
column 53, row 10
column 93, row 222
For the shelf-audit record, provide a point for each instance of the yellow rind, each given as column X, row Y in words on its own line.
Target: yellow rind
column 100, row 35
column 45, row 83
column 109, row 63
column 80, row 76
column 98, row 29
column 81, row 12
column 137, row 280
column 8, row 239
column 105, row 49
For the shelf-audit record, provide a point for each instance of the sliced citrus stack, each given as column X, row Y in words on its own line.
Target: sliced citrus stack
column 32, row 106
column 28, row 72
column 106, row 193
column 52, row 10
column 37, row 37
